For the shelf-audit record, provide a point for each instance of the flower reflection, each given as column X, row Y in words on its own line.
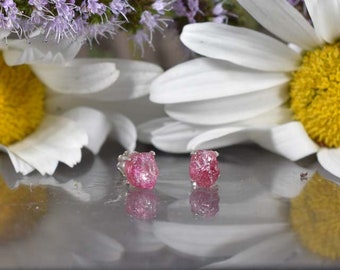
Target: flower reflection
column 69, row 235
column 252, row 227
column 314, row 215
column 86, row 182
column 204, row 201
column 20, row 210
column 141, row 204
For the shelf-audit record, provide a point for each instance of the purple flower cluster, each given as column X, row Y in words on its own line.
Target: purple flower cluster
column 60, row 19
column 201, row 10
column 220, row 11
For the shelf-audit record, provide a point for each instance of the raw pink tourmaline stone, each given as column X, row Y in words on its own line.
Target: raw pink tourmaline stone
column 203, row 168
column 141, row 170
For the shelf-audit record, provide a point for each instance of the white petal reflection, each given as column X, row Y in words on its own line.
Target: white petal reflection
column 142, row 239
column 277, row 248
column 67, row 238
column 214, row 241
column 103, row 249
column 263, row 210
column 86, row 182
column 68, row 235
column 284, row 179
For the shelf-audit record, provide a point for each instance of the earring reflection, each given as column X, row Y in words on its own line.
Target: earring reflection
column 204, row 201
column 141, row 204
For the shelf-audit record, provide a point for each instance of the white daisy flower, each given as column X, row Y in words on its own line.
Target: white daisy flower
column 35, row 131
column 271, row 212
column 253, row 87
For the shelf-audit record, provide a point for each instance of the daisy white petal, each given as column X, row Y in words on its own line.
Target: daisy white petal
column 213, row 241
column 289, row 140
column 189, row 81
column 330, row 160
column 174, row 137
column 237, row 132
column 123, row 130
column 133, row 82
column 172, row 144
column 284, row 21
column 145, row 129
column 326, row 18
column 79, row 76
column 23, row 52
column 270, row 118
column 56, row 139
column 94, row 122
column 18, row 164
column 228, row 109
column 252, row 49
column 46, row 166
column 218, row 137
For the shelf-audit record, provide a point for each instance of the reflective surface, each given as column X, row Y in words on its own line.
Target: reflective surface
column 92, row 219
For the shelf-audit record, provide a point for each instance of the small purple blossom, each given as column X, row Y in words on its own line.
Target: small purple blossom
column 151, row 23
column 95, row 8
column 140, row 38
column 201, row 10
column 161, row 6
column 187, row 8
column 120, row 7
column 221, row 15
column 300, row 6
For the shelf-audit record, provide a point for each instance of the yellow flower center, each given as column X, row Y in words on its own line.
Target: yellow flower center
column 315, row 94
column 315, row 217
column 21, row 102
column 20, row 210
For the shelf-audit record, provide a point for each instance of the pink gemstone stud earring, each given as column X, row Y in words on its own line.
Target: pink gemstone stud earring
column 140, row 169
column 203, row 169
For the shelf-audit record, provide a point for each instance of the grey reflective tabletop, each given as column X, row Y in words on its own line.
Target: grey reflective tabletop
column 86, row 217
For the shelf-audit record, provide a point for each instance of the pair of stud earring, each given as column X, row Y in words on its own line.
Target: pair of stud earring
column 141, row 170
